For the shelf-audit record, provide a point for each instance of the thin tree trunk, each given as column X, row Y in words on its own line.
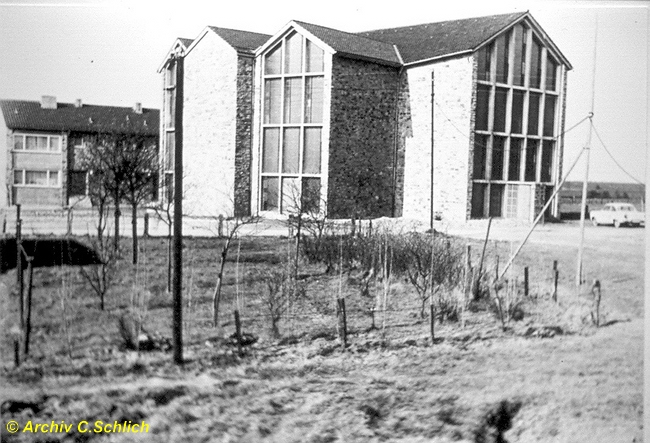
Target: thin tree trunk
column 116, row 239
column 134, row 233
column 169, row 258
column 216, row 297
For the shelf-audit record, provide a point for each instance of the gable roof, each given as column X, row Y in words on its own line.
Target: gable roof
column 432, row 40
column 28, row 115
column 185, row 41
column 243, row 41
column 354, row 45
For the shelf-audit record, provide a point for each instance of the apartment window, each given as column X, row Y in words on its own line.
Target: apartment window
column 515, row 120
column 43, row 179
column 292, row 125
column 37, row 143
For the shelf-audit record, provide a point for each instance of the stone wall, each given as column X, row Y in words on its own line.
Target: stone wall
column 243, row 135
column 362, row 146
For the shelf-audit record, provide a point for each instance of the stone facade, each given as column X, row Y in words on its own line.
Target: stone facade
column 209, row 127
column 243, row 135
column 362, row 146
column 440, row 105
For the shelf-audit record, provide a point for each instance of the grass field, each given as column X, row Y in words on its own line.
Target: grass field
column 551, row 376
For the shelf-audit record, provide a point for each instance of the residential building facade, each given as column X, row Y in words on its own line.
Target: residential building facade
column 44, row 140
column 455, row 120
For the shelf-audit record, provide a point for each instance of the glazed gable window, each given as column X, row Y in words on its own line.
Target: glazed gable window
column 516, row 119
column 292, row 125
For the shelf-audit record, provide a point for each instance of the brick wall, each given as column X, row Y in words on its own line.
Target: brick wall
column 243, row 136
column 209, row 125
column 362, row 139
column 452, row 114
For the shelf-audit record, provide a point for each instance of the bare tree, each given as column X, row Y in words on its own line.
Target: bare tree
column 123, row 165
column 100, row 277
column 233, row 225
column 140, row 159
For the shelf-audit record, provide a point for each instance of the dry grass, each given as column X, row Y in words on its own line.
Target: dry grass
column 578, row 384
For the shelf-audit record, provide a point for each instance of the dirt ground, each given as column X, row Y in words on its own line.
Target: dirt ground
column 549, row 377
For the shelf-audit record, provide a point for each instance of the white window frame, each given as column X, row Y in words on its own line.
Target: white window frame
column 282, row 76
column 23, row 173
column 39, row 151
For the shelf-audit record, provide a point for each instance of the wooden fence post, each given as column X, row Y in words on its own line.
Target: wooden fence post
column 432, row 315
column 526, row 281
column 238, row 332
column 28, row 320
column 555, row 279
column 343, row 322
column 220, row 226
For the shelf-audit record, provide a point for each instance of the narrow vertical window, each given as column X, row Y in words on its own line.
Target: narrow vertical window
column 291, row 150
column 519, row 63
column 533, row 113
column 271, row 150
column 272, row 94
column 293, row 54
column 514, row 162
column 536, row 64
column 547, row 161
column 315, row 58
column 502, row 59
column 480, row 155
column 270, row 200
column 292, row 100
column 498, row 154
column 531, row 161
column 551, row 73
column 272, row 61
column 549, row 115
column 500, row 106
column 484, row 56
column 311, row 158
column 517, row 111
column 482, row 107
column 314, row 100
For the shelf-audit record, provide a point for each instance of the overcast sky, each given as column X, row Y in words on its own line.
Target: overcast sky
column 108, row 52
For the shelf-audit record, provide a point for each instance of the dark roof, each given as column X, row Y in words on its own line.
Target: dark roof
column 354, row 44
column 241, row 40
column 28, row 115
column 185, row 41
column 431, row 40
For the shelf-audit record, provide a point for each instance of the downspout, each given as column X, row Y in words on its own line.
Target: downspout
column 433, row 215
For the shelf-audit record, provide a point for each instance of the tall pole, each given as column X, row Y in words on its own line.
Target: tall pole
column 583, row 206
column 177, row 242
column 19, row 265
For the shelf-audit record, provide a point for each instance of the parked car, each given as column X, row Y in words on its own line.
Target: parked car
column 617, row 214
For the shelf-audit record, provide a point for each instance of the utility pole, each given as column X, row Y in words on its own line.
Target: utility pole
column 583, row 205
column 177, row 242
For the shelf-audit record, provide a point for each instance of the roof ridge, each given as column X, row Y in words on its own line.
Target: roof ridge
column 85, row 105
column 213, row 28
column 445, row 21
column 352, row 34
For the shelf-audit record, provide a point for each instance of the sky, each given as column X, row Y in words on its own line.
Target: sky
column 108, row 52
